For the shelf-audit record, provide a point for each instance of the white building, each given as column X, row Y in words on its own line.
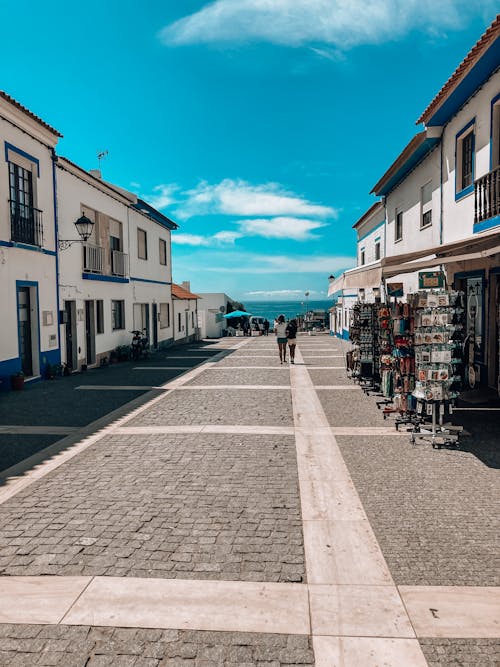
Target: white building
column 364, row 281
column 29, row 339
column 185, row 311
column 119, row 280
column 211, row 311
column 442, row 197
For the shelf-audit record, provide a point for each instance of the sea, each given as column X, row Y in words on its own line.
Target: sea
column 290, row 309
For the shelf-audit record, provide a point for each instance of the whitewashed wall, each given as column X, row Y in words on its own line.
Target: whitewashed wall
column 181, row 307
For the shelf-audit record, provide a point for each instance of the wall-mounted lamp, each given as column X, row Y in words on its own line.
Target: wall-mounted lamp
column 361, row 293
column 84, row 227
column 376, row 293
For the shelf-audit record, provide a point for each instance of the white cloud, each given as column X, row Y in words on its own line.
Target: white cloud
column 218, row 239
column 227, row 236
column 298, row 229
column 240, row 198
column 254, row 263
column 344, row 23
column 162, row 196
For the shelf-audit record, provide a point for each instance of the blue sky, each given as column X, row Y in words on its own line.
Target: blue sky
column 260, row 127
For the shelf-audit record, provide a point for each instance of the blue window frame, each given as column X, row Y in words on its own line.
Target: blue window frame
column 465, row 158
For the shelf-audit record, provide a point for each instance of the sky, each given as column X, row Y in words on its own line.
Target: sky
column 259, row 126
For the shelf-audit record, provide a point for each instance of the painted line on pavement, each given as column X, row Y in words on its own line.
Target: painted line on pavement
column 37, row 430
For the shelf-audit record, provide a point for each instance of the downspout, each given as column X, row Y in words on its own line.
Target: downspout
column 56, row 246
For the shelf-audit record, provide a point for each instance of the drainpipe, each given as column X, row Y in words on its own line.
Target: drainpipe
column 56, row 245
column 441, row 193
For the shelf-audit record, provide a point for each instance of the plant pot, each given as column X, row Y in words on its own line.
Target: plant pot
column 17, row 382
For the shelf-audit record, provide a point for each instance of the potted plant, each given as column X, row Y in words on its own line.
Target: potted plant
column 17, row 381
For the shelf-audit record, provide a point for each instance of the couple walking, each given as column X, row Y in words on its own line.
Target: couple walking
column 286, row 333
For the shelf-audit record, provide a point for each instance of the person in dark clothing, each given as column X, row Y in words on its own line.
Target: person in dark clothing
column 291, row 334
column 266, row 327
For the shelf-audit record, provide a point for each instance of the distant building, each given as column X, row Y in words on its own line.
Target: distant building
column 185, row 309
column 211, row 311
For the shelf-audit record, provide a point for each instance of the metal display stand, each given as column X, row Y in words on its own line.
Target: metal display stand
column 438, row 433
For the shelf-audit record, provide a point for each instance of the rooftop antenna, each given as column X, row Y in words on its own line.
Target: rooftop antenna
column 101, row 155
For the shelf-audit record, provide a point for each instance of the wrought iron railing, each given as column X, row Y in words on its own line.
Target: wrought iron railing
column 26, row 225
column 119, row 263
column 93, row 258
column 487, row 196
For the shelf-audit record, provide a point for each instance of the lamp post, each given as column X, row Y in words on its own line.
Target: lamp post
column 306, row 294
column 84, row 227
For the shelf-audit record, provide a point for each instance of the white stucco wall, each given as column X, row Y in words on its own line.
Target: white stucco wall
column 187, row 309
column 209, row 309
column 30, row 265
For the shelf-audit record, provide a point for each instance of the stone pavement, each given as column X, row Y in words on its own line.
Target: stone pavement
column 250, row 514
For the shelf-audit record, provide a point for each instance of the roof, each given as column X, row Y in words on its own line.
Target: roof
column 408, row 159
column 98, row 182
column 153, row 213
column 374, row 207
column 29, row 113
column 179, row 292
column 478, row 65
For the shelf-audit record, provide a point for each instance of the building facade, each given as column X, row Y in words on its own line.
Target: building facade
column 29, row 335
column 185, row 312
column 211, row 310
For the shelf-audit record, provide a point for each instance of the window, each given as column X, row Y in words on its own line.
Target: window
column 362, row 256
column 163, row 252
column 377, row 249
column 495, row 132
column 99, row 316
column 164, row 315
column 192, row 320
column 426, row 205
column 179, row 323
column 398, row 229
column 117, row 315
column 142, row 244
column 465, row 151
column 26, row 222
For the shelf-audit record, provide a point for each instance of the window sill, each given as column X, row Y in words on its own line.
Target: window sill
column 398, row 240
column 464, row 193
column 425, row 226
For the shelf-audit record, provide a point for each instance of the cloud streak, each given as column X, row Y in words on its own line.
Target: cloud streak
column 343, row 23
column 297, row 229
column 240, row 198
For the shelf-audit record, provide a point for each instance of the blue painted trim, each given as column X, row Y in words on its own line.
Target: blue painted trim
column 147, row 280
column 486, row 224
column 56, row 242
column 473, row 80
column 19, row 151
column 412, row 161
column 492, row 105
column 460, row 194
column 377, row 239
column 105, row 279
column 345, row 334
column 28, row 283
column 380, row 224
column 25, row 246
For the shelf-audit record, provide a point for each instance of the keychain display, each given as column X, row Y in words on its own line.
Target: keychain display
column 364, row 335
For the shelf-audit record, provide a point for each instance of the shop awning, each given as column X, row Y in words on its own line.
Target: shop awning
column 336, row 285
column 366, row 276
column 459, row 251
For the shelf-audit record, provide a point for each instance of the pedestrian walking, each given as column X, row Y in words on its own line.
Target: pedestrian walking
column 266, row 327
column 280, row 331
column 291, row 334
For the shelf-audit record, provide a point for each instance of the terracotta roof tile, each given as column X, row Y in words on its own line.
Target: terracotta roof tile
column 179, row 292
column 25, row 110
column 467, row 63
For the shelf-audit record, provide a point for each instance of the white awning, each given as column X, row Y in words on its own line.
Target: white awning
column 336, row 285
column 366, row 276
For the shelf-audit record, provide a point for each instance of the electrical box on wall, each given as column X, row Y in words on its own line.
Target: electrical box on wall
column 47, row 318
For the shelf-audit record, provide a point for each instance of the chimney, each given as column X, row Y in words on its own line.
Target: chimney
column 186, row 284
column 96, row 173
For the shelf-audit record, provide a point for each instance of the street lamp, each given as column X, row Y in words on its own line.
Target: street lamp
column 84, row 227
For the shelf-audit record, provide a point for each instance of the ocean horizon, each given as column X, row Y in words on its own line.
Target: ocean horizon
column 290, row 309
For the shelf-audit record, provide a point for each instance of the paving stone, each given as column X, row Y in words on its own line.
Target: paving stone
column 255, row 376
column 169, row 506
column 461, row 652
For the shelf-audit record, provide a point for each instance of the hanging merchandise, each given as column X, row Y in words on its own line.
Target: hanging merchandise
column 397, row 361
column 438, row 337
column 363, row 333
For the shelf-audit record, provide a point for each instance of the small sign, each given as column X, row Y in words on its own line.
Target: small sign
column 395, row 289
column 431, row 279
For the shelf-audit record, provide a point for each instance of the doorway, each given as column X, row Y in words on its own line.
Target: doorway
column 154, row 318
column 90, row 332
column 70, row 334
column 24, row 318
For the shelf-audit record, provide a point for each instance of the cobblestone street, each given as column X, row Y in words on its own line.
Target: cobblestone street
column 244, row 513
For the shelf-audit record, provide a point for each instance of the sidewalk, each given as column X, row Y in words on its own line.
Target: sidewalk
column 256, row 515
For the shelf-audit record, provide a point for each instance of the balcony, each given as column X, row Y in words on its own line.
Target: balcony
column 25, row 224
column 93, row 258
column 119, row 263
column 487, row 196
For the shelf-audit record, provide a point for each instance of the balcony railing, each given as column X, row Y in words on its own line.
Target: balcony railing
column 487, row 196
column 93, row 258
column 25, row 224
column 119, row 263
